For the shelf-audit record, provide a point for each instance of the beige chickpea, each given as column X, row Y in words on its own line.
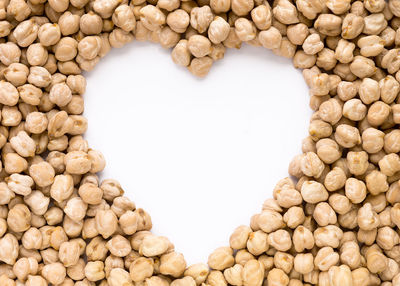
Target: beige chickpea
column 6, row 195
column 326, row 59
column 54, row 215
column 253, row 273
column 151, row 17
column 200, row 18
column 200, row 66
column 39, row 77
column 173, row 264
column 239, row 237
column 374, row 24
column 245, row 30
column 89, row 47
column 178, row 20
column 387, row 238
column 355, row 190
column 367, row 218
column 6, row 281
column 376, row 182
column 91, row 24
column 261, row 16
column 357, row 162
column 280, row 240
column 288, row 197
column 119, row 246
column 49, row 34
column 19, row 218
column 16, row 74
column 362, row 67
column 329, row 235
column 221, row 258
column 42, row 173
column 283, row 261
column 37, row 55
column 335, row 179
column 304, row 263
column 285, row 12
column 35, row 280
column 9, row 53
column 181, row 54
column 269, row 221
column 66, row 49
column 313, row 192
column 25, row 267
column 11, row 116
column 311, row 165
column 25, row 33
column 347, row 136
column 32, row 238
column 271, row 38
column 378, row 113
column 77, row 162
column 328, row 150
column 94, row 270
column 189, row 281
column 90, row 194
column 277, row 277
column 68, row 24
column 242, row 7
column 372, row 140
column 9, row 248
column 62, row 187
column 106, row 222
column 14, row 163
column 350, row 254
column 395, row 214
column 389, row 164
column 324, row 214
column 344, row 51
column 54, row 273
column 340, row 275
column 20, row 184
column 312, row 44
column 370, row 46
column 218, row 30
column 219, row 6
column 59, row 5
column 69, row 253
column 199, row 46
column 8, row 94
column 119, row 276
column 233, row 275
column 376, row 261
column 326, row 258
column 257, row 242
column 294, row 217
column 392, row 142
column 198, row 272
column 297, row 33
column 37, row 202
column 354, row 109
column 330, row 111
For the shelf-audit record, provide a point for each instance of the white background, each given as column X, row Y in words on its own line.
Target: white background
column 200, row 155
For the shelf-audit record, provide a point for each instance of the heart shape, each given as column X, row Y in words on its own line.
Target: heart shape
column 334, row 223
column 231, row 129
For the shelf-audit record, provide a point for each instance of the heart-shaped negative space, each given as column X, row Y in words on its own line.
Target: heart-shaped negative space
column 334, row 222
column 193, row 147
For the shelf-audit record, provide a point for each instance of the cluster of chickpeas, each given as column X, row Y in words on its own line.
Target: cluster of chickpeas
column 335, row 222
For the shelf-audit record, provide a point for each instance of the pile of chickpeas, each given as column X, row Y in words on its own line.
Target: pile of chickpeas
column 334, row 222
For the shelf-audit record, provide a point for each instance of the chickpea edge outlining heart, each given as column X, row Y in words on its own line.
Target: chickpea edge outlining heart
column 333, row 222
